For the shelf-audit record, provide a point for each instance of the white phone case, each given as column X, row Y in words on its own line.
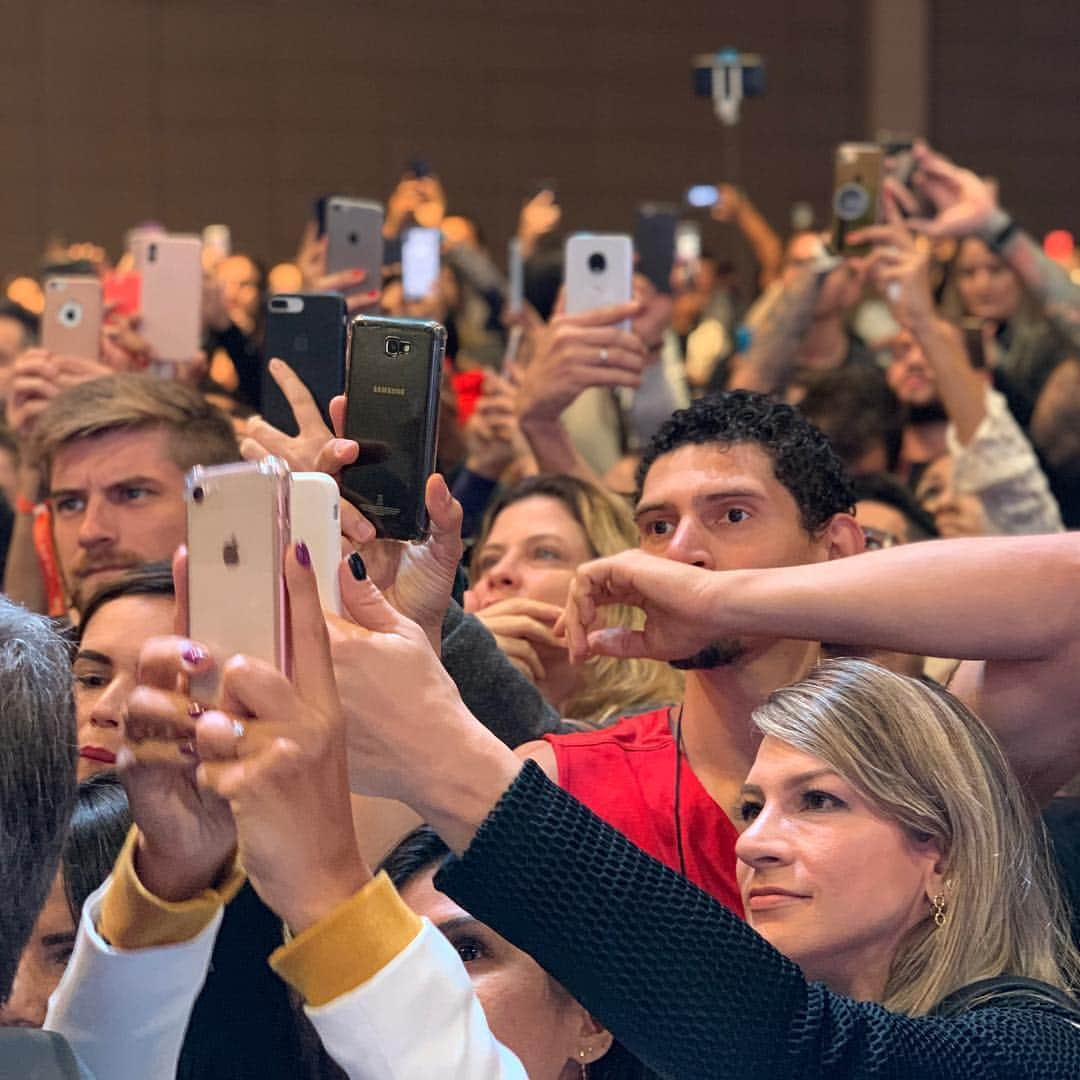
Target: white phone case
column 599, row 271
column 316, row 520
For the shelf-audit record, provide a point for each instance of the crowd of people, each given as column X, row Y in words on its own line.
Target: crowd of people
column 722, row 724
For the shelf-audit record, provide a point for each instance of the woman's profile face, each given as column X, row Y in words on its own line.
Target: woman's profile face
column 527, row 1011
column 104, row 672
column 532, row 551
column 955, row 513
column 825, row 878
column 988, row 288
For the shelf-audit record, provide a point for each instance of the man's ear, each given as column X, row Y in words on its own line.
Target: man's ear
column 842, row 536
column 594, row 1041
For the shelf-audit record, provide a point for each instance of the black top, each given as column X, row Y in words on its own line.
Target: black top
column 692, row 990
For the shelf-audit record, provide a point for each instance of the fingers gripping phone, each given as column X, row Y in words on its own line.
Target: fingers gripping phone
column 170, row 301
column 599, row 271
column 354, row 238
column 392, row 411
column 71, row 321
column 420, row 250
column 856, row 193
column 307, row 331
column 237, row 532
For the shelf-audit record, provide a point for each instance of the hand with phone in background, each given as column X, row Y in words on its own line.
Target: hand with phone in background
column 361, row 292
column 599, row 270
column 417, row 200
column 420, row 263
column 540, row 216
column 654, row 244
column 856, row 199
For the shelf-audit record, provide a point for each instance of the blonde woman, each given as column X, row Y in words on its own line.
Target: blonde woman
column 532, row 540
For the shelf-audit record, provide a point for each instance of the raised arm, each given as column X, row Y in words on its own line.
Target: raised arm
column 1013, row 602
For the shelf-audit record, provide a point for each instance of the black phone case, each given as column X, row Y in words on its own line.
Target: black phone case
column 312, row 343
column 393, row 413
column 654, row 240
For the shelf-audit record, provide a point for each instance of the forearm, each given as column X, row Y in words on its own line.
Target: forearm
column 764, row 243
column 23, row 579
column 1056, row 292
column 994, row 598
column 776, row 323
column 963, row 392
column 554, row 450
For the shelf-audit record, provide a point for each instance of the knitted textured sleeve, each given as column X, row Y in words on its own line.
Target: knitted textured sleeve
column 692, row 990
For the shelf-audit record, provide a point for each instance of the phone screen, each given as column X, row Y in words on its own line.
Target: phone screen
column 420, row 262
column 703, row 195
column 516, row 266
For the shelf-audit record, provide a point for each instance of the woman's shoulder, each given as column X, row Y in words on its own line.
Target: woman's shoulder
column 1009, row 990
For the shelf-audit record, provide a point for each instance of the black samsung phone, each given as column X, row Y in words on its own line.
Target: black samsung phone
column 654, row 244
column 395, row 370
column 307, row 331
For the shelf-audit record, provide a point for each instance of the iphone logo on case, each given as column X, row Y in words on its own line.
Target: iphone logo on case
column 230, row 552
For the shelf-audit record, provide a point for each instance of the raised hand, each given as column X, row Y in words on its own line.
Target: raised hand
column 519, row 626
column 274, row 750
column 683, row 612
column 311, row 261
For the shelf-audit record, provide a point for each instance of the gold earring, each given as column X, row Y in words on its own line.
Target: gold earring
column 583, row 1054
column 939, row 910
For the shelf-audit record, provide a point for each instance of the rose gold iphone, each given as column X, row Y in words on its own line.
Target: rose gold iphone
column 71, row 322
column 238, row 529
column 170, row 305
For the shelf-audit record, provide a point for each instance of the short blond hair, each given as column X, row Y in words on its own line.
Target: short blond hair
column 926, row 762
column 198, row 433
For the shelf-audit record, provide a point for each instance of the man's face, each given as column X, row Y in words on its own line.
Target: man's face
column 117, row 502
column 12, row 342
column 909, row 375
column 722, row 508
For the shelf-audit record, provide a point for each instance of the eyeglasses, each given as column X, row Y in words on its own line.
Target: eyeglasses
column 877, row 539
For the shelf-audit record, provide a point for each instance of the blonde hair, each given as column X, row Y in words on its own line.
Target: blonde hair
column 198, row 433
column 928, row 763
column 613, row 687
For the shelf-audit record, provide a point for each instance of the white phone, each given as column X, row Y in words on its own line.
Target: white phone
column 237, row 531
column 316, row 520
column 420, row 250
column 599, row 271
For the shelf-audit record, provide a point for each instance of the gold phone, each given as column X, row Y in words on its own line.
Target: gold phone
column 71, row 321
column 237, row 532
column 856, row 193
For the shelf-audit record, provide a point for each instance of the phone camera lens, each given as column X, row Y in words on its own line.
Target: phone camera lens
column 354, row 238
column 597, row 262
column 197, row 494
column 70, row 314
column 151, row 253
column 393, row 346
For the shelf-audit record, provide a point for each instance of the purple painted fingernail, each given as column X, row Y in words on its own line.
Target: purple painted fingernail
column 193, row 655
column 195, row 710
column 188, row 748
column 303, row 556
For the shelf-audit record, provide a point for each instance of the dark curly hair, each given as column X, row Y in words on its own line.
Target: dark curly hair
column 803, row 460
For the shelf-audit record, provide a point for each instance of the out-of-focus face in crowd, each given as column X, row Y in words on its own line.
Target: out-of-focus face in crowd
column 531, row 552
column 117, row 502
column 955, row 513
column 13, row 340
column 239, row 280
column 909, row 375
column 988, row 288
column 104, row 672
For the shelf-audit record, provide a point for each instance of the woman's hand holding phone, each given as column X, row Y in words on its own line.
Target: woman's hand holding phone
column 269, row 776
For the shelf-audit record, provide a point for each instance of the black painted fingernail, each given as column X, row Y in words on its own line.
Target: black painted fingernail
column 193, row 655
column 303, row 556
column 357, row 567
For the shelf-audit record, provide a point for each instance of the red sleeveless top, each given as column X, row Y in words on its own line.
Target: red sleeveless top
column 625, row 774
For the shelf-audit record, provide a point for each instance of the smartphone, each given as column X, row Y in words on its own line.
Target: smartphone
column 420, row 249
column 515, row 301
column 120, row 289
column 170, row 301
column 354, row 238
column 688, row 242
column 654, row 243
column 237, row 532
column 703, row 196
column 71, row 320
column 395, row 371
column 599, row 271
column 315, row 519
column 217, row 241
column 307, row 331
column 856, row 193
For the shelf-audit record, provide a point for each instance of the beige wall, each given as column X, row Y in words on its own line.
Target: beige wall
column 192, row 111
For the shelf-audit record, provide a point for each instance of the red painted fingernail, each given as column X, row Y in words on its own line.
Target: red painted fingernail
column 303, row 556
column 193, row 655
